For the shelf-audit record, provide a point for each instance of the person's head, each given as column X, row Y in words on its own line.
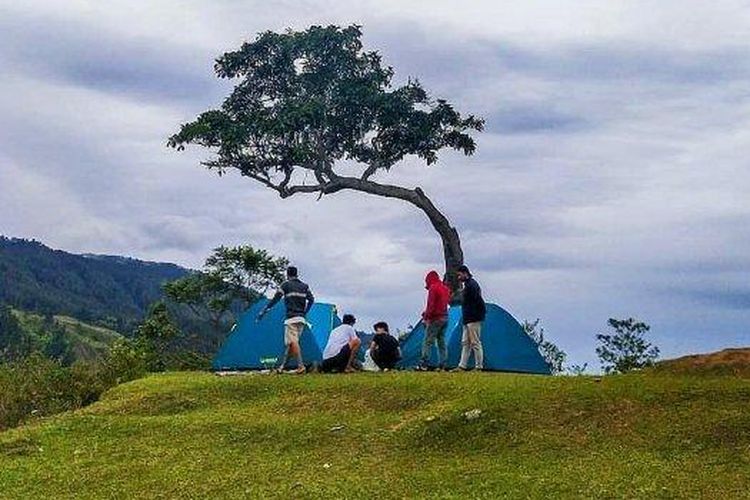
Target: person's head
column 291, row 272
column 381, row 327
column 463, row 273
column 431, row 278
column 349, row 319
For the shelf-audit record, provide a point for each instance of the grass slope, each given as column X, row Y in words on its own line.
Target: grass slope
column 88, row 342
column 393, row 435
column 727, row 362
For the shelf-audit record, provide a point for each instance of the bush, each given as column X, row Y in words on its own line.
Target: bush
column 37, row 386
column 188, row 360
column 126, row 360
column 553, row 355
column 626, row 349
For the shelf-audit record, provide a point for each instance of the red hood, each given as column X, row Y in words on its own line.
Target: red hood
column 431, row 278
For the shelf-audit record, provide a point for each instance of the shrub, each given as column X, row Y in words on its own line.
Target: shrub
column 37, row 386
column 626, row 349
column 553, row 355
column 126, row 360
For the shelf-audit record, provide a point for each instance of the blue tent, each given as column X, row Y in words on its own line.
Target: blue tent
column 254, row 345
column 506, row 346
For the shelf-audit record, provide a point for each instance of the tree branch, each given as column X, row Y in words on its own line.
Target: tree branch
column 369, row 171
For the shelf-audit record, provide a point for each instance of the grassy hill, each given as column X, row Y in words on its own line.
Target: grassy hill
column 392, row 435
column 727, row 362
column 87, row 342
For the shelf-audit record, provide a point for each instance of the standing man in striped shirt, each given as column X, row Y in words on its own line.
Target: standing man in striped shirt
column 298, row 299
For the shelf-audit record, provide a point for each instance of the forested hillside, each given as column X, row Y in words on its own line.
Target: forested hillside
column 111, row 291
column 58, row 337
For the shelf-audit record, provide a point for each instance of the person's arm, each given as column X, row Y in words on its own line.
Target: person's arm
column 310, row 300
column 470, row 292
column 353, row 337
column 429, row 310
column 277, row 297
column 354, row 343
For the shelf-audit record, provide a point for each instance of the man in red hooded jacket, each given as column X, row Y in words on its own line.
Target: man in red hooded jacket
column 435, row 318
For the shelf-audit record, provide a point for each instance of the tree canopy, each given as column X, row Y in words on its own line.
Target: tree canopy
column 626, row 349
column 232, row 276
column 314, row 112
column 307, row 99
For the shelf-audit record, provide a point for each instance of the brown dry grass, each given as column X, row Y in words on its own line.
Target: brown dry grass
column 727, row 362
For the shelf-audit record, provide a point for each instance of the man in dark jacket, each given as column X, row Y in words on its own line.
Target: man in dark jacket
column 474, row 311
column 435, row 318
column 298, row 299
column 384, row 348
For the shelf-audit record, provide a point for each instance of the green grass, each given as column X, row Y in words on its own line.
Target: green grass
column 195, row 435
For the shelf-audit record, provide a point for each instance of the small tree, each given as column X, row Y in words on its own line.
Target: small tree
column 15, row 342
column 250, row 272
column 315, row 104
column 231, row 276
column 205, row 294
column 553, row 355
column 57, row 346
column 154, row 335
column 626, row 349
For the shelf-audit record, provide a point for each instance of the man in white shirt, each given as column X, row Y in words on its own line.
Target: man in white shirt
column 341, row 349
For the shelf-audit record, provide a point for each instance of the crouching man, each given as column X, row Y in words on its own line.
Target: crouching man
column 341, row 349
column 384, row 348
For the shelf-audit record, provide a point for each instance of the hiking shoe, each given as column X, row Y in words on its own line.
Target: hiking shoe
column 300, row 371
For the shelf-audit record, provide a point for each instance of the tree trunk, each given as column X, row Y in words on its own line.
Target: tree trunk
column 452, row 252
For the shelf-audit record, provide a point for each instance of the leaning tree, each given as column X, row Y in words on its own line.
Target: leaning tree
column 313, row 112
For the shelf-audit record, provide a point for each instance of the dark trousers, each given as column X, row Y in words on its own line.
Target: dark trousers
column 338, row 362
column 385, row 360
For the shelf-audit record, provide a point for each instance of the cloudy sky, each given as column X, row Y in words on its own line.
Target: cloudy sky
column 613, row 178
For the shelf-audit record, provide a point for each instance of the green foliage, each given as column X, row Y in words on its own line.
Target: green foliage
column 578, row 370
column 250, row 272
column 92, row 295
column 188, row 361
column 15, row 343
column 62, row 338
column 58, row 346
column 553, row 355
column 196, row 435
column 127, row 360
column 113, row 292
column 232, row 277
column 626, row 349
column 37, row 386
column 307, row 99
column 154, row 335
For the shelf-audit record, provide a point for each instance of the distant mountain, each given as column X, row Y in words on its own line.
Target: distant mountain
column 110, row 291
